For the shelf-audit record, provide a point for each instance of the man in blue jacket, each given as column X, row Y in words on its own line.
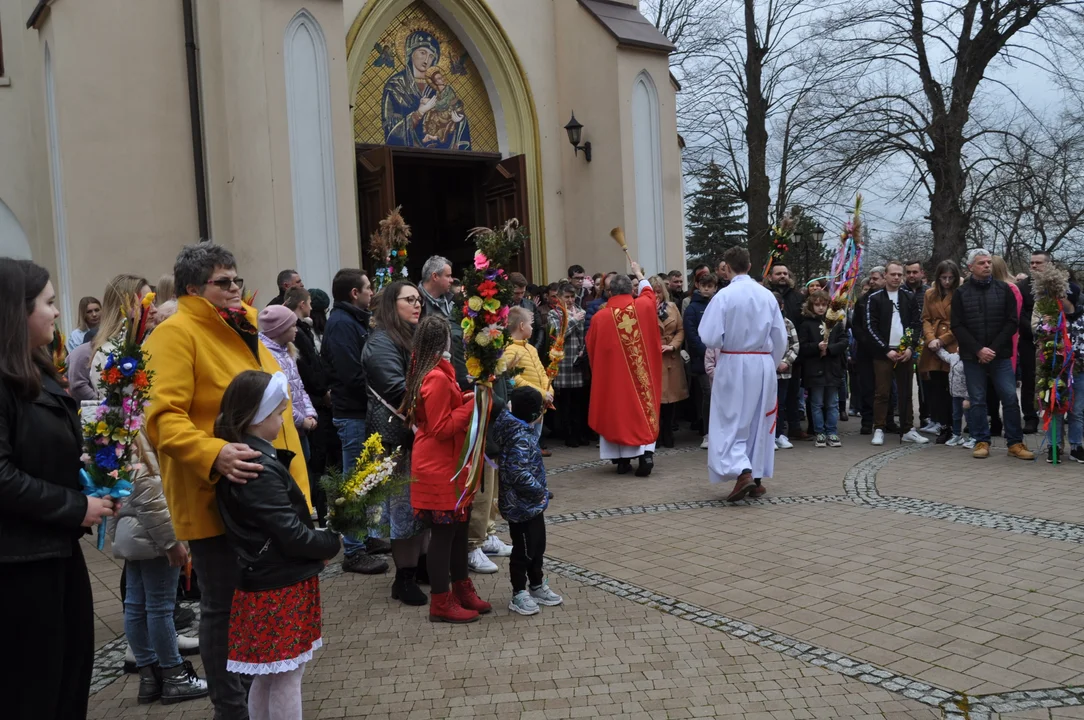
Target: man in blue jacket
column 344, row 338
column 701, row 387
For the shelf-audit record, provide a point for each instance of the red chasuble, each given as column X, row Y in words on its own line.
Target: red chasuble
column 625, row 350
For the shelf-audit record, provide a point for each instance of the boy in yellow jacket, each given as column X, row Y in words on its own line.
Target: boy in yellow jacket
column 523, row 356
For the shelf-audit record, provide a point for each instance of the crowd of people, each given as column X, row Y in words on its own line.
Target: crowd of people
column 251, row 408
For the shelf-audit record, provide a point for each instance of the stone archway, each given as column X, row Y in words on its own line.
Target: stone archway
column 506, row 82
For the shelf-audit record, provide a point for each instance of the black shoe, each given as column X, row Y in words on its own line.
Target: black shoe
column 1031, row 426
column 1077, row 454
column 550, row 492
column 376, row 546
column 624, row 467
column 181, row 683
column 364, row 563
column 892, row 429
column 183, row 618
column 405, row 588
column 1062, row 456
column 421, row 573
column 944, row 436
column 150, row 684
column 866, row 430
column 573, row 443
column 647, row 462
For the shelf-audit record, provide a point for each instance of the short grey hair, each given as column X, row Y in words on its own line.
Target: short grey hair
column 877, row 269
column 976, row 254
column 435, row 264
column 620, row 285
column 196, row 263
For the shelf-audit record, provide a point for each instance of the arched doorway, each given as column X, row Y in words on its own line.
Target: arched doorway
column 444, row 126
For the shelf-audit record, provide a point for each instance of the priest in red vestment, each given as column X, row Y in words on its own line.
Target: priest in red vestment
column 625, row 350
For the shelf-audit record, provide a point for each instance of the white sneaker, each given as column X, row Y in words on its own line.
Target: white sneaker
column 783, row 443
column 969, row 443
column 479, row 563
column 187, row 645
column 912, row 436
column 494, row 546
column 933, row 428
column 542, row 595
column 704, row 443
column 954, row 440
column 878, row 437
column 523, row 603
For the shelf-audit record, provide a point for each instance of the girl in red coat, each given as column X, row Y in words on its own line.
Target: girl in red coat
column 441, row 411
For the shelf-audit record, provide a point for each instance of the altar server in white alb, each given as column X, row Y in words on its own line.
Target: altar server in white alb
column 743, row 321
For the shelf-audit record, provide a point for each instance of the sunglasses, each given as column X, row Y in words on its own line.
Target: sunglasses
column 225, row 284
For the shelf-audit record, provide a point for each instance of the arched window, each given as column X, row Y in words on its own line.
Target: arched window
column 312, row 161
column 647, row 172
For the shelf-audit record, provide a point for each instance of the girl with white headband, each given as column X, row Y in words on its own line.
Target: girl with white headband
column 275, row 623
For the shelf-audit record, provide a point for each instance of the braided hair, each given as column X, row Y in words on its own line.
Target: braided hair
column 430, row 343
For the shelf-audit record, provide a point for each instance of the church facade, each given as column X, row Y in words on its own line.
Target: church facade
column 287, row 129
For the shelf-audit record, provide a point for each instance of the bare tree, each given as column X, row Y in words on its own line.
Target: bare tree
column 1035, row 200
column 931, row 69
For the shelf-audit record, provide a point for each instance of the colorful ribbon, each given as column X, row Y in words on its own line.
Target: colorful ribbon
column 121, row 489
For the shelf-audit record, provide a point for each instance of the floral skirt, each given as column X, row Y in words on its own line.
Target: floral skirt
column 274, row 631
column 443, row 517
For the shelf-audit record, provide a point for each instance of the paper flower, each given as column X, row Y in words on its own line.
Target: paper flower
column 128, row 366
column 467, row 324
column 474, row 367
column 481, row 262
column 475, row 303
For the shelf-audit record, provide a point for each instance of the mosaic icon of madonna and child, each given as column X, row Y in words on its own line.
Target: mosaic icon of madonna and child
column 419, row 107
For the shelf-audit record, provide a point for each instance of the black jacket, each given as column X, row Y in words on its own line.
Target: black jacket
column 878, row 324
column 540, row 336
column 866, row 347
column 41, row 504
column 792, row 303
column 984, row 316
column 344, row 339
column 269, row 526
column 818, row 371
column 690, row 321
column 431, row 306
column 310, row 365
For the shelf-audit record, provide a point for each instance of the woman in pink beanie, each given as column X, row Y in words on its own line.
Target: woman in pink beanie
column 278, row 328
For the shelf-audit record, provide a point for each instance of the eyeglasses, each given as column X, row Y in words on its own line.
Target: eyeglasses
column 225, row 284
column 411, row 299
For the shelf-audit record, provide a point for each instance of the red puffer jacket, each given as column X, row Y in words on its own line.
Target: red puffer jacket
column 442, row 416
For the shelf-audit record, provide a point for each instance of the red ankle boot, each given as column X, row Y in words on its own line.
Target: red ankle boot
column 443, row 607
column 468, row 597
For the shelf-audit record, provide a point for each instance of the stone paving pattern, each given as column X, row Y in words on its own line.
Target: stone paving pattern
column 845, row 594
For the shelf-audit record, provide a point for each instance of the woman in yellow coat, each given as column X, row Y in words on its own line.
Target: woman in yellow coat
column 674, row 387
column 194, row 356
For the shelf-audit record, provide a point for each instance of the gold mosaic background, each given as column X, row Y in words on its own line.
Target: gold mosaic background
column 458, row 66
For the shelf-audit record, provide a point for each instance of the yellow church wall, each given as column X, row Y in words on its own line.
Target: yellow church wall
column 247, row 136
column 124, row 142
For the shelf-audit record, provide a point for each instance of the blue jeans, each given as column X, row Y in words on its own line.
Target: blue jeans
column 1004, row 379
column 957, row 415
column 352, row 435
column 824, row 402
column 1075, row 416
column 148, row 612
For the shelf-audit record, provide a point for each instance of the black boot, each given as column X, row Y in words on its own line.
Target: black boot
column 421, row 573
column 150, row 684
column 180, row 683
column 624, row 467
column 405, row 589
column 647, row 462
column 1031, row 426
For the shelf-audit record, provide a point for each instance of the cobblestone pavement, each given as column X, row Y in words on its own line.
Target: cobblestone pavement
column 890, row 582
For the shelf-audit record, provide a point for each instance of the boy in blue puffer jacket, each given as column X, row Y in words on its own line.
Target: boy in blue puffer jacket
column 522, row 498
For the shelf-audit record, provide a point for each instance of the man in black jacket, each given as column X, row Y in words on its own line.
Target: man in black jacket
column 1026, row 347
column 864, row 356
column 891, row 322
column 984, row 319
column 344, row 339
column 437, row 299
column 779, row 281
column 286, row 280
